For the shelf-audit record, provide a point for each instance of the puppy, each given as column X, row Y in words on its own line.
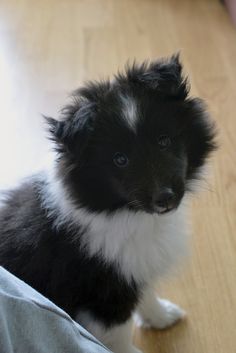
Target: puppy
column 95, row 232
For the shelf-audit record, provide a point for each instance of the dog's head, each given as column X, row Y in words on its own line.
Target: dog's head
column 135, row 142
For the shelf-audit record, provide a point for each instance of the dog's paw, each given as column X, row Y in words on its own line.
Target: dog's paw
column 163, row 316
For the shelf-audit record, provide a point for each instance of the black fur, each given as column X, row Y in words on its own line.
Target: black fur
column 91, row 132
column 50, row 261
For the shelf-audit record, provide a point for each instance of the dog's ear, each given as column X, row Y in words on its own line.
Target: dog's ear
column 163, row 76
column 72, row 133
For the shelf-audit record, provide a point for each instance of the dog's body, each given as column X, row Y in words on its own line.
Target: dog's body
column 91, row 234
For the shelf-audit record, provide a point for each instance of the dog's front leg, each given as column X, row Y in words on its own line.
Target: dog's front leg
column 117, row 338
column 157, row 313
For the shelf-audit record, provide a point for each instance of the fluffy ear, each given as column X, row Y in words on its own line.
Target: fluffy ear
column 72, row 133
column 164, row 76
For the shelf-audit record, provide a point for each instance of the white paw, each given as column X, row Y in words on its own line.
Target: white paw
column 164, row 315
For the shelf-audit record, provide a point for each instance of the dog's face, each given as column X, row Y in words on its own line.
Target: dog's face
column 134, row 143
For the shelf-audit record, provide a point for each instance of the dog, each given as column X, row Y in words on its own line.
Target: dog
column 107, row 220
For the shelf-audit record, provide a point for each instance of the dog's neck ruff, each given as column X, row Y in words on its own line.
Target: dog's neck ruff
column 142, row 246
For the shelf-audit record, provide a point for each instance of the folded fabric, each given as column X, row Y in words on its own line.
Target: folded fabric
column 30, row 323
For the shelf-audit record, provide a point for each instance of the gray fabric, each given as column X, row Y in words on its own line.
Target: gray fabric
column 30, row 323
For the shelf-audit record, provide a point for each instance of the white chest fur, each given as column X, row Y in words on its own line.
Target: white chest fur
column 141, row 245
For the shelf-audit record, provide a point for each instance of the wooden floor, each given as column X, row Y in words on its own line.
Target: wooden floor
column 48, row 47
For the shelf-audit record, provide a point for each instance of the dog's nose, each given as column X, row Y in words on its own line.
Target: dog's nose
column 165, row 199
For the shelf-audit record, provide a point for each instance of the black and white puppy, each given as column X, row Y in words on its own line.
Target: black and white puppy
column 95, row 233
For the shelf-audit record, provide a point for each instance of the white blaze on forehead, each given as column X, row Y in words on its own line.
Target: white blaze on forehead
column 129, row 110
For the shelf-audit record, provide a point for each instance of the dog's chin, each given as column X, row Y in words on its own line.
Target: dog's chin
column 160, row 210
column 154, row 210
column 164, row 210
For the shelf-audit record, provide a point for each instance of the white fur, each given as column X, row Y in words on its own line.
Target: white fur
column 129, row 110
column 200, row 182
column 157, row 313
column 118, row 339
column 142, row 246
column 151, row 312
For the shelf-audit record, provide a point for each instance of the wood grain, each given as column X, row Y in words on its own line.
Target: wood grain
column 49, row 47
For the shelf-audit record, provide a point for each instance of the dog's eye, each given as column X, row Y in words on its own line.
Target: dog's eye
column 120, row 160
column 164, row 142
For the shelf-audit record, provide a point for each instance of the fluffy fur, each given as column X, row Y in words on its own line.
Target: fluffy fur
column 94, row 232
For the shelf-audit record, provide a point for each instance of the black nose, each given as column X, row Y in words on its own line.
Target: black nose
column 165, row 199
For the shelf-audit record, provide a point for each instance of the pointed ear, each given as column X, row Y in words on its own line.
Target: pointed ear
column 55, row 128
column 72, row 133
column 163, row 76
